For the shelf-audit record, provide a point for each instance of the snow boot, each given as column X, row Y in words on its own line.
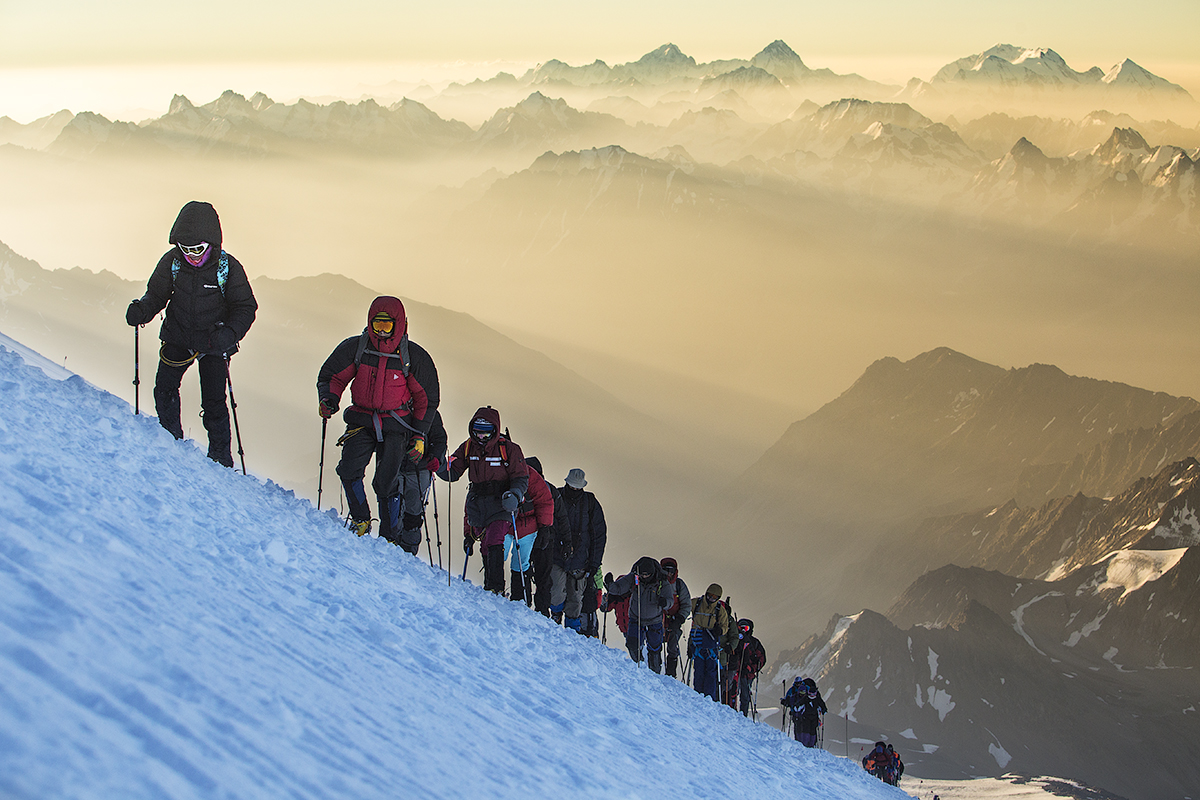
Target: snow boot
column 493, row 569
column 517, row 582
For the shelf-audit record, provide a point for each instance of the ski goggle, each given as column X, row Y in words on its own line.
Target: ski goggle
column 194, row 250
column 744, row 628
column 383, row 325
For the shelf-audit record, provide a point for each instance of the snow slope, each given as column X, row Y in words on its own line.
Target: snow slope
column 172, row 629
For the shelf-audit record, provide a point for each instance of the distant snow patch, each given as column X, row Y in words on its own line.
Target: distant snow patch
column 1000, row 754
column 850, row 704
column 940, row 700
column 1019, row 619
column 908, row 733
column 1132, row 569
column 933, row 662
column 1183, row 529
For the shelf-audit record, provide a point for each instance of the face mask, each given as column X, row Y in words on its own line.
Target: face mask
column 195, row 253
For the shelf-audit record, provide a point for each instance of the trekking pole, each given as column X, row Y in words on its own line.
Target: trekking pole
column 321, row 466
column 233, row 406
column 137, row 383
column 437, row 528
column 637, row 588
column 428, row 546
column 754, row 702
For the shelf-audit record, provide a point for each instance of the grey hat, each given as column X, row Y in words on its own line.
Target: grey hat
column 575, row 479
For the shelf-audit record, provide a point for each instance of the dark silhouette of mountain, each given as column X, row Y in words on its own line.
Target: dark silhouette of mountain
column 940, row 433
column 1098, row 633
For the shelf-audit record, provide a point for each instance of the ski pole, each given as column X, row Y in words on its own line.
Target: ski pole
column 137, row 383
column 450, row 516
column 428, row 546
column 233, row 406
column 321, row 466
column 425, row 516
column 437, row 529
column 637, row 588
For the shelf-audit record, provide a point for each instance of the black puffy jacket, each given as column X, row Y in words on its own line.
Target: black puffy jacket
column 586, row 518
column 195, row 303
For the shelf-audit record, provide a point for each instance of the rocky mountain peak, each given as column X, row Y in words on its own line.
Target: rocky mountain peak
column 179, row 103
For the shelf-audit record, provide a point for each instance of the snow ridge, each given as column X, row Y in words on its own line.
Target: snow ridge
column 173, row 629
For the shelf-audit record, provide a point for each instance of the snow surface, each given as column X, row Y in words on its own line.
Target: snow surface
column 1132, row 569
column 173, row 629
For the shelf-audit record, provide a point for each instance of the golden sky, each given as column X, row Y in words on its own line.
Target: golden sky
column 881, row 39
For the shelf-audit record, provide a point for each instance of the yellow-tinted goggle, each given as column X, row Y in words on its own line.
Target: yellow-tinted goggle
column 383, row 325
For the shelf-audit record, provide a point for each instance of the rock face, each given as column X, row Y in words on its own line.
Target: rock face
column 1080, row 664
column 935, row 436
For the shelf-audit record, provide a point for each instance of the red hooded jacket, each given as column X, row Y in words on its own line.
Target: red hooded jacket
column 378, row 385
column 538, row 509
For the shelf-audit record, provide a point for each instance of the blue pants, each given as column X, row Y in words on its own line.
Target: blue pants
column 706, row 676
column 649, row 634
column 520, row 556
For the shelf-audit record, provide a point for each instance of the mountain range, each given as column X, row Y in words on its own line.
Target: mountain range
column 990, row 669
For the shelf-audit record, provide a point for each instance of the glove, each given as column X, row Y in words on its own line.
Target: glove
column 468, row 543
column 223, row 340
column 328, row 406
column 135, row 315
column 434, row 465
column 416, row 449
column 608, row 579
column 510, row 501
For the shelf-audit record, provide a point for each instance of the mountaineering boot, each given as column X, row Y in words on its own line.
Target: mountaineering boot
column 410, row 537
column 361, row 527
column 493, row 569
column 557, row 617
column 517, row 592
column 574, row 623
column 672, row 664
column 528, row 576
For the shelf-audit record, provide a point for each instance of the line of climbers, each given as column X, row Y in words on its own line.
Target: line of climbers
column 884, row 763
column 556, row 535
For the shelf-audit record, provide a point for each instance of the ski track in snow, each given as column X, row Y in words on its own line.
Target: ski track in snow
column 173, row 629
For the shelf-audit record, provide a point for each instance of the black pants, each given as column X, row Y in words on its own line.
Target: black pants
column 173, row 361
column 540, row 561
column 389, row 454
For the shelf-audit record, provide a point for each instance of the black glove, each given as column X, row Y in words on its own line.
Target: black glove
column 223, row 340
column 608, row 580
column 510, row 501
column 136, row 315
column 468, row 543
column 328, row 406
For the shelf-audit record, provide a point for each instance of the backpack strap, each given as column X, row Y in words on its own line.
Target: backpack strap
column 364, row 348
column 222, row 271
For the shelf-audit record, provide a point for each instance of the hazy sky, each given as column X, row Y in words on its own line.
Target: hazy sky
column 308, row 47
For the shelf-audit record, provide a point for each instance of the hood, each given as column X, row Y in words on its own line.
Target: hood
column 395, row 309
column 744, row 621
column 533, row 462
column 492, row 416
column 197, row 222
column 647, row 566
